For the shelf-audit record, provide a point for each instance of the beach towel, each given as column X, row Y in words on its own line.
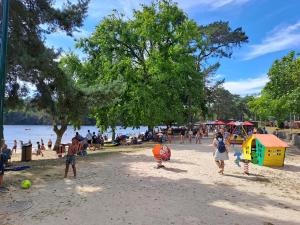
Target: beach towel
column 17, row 168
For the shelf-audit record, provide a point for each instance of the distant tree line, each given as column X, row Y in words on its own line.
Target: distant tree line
column 34, row 117
column 280, row 98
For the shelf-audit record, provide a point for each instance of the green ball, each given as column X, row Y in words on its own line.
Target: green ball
column 26, row 184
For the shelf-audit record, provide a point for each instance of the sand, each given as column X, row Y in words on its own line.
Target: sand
column 125, row 188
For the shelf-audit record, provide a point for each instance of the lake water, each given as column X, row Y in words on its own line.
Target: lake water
column 37, row 132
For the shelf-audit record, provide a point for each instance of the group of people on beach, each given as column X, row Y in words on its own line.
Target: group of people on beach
column 40, row 146
column 168, row 135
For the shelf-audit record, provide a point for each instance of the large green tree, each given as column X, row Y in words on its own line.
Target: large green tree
column 29, row 59
column 29, row 21
column 160, row 53
column 280, row 97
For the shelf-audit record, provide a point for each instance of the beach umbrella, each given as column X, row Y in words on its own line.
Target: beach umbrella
column 210, row 123
column 232, row 123
column 219, row 122
column 247, row 123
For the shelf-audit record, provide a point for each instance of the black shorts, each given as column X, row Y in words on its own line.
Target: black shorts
column 71, row 159
column 89, row 141
column 1, row 168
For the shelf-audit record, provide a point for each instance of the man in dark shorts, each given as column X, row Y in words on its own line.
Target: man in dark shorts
column 71, row 157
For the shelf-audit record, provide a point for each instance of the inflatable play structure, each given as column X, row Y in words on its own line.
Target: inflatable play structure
column 265, row 150
column 161, row 152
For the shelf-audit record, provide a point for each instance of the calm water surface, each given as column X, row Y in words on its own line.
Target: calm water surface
column 37, row 132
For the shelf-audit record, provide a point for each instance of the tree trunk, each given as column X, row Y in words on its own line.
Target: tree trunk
column 150, row 128
column 59, row 134
column 113, row 135
column 1, row 136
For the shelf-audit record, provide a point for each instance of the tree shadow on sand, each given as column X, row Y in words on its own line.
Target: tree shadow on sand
column 250, row 177
column 153, row 196
column 175, row 170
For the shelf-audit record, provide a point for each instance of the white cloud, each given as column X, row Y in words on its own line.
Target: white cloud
column 98, row 9
column 213, row 4
column 247, row 86
column 279, row 39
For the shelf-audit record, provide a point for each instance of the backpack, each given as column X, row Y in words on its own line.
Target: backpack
column 221, row 146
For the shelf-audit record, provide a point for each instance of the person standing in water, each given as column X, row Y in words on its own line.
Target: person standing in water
column 15, row 146
column 221, row 152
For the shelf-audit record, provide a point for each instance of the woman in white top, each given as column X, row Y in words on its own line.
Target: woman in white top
column 220, row 151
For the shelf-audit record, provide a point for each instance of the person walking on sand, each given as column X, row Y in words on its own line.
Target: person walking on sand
column 170, row 134
column 190, row 135
column 182, row 135
column 221, row 152
column 71, row 157
column 198, row 136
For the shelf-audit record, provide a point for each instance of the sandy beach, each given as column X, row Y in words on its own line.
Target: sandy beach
column 121, row 186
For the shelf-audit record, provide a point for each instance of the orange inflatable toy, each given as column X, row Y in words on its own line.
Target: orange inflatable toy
column 161, row 152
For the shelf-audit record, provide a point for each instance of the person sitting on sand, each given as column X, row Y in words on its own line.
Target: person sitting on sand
column 71, row 157
column 221, row 152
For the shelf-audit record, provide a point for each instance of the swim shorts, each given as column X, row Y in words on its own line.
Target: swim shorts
column 71, row 160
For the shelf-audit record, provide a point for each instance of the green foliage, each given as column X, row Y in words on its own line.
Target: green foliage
column 158, row 53
column 225, row 106
column 29, row 117
column 30, row 60
column 28, row 57
column 281, row 95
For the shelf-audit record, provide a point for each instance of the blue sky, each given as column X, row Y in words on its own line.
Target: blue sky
column 273, row 28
